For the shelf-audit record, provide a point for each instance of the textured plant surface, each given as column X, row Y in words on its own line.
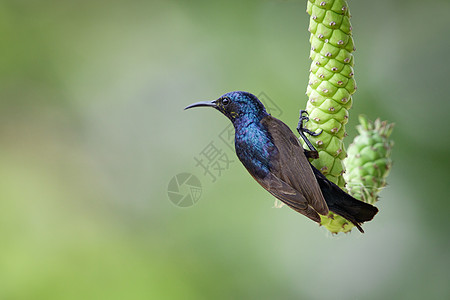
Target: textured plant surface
column 369, row 160
column 330, row 88
column 331, row 83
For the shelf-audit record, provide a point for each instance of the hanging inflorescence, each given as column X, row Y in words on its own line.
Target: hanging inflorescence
column 330, row 88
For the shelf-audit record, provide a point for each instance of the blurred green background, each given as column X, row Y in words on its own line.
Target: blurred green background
column 92, row 129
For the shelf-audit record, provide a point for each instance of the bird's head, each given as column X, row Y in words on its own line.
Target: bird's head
column 236, row 106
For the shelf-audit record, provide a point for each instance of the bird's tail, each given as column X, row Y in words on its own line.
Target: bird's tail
column 343, row 204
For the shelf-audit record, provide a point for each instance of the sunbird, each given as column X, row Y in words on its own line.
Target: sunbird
column 274, row 157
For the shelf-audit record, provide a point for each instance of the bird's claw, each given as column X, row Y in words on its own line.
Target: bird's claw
column 312, row 132
column 301, row 130
column 302, row 117
column 300, row 126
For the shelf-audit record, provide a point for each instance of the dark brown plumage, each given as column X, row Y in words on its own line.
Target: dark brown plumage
column 291, row 178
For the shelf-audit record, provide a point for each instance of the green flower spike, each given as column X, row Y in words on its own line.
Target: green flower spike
column 369, row 160
column 330, row 88
column 331, row 83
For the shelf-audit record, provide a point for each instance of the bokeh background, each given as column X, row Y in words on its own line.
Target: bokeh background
column 92, row 130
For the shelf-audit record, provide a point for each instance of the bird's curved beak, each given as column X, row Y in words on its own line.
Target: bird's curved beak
column 203, row 103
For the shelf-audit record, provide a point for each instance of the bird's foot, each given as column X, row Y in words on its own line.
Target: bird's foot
column 300, row 127
column 302, row 118
column 301, row 130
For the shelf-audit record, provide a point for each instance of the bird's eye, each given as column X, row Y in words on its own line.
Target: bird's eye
column 225, row 101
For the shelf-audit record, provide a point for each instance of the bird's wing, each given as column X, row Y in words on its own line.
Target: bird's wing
column 291, row 197
column 292, row 167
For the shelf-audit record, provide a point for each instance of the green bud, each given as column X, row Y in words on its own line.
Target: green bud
column 369, row 160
